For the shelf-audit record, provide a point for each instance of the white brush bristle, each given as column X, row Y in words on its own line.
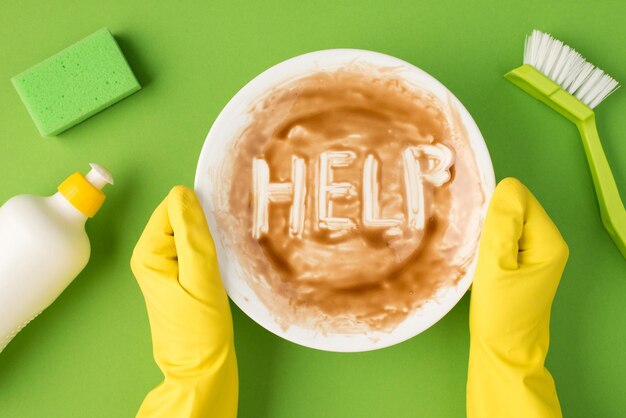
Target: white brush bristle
column 568, row 68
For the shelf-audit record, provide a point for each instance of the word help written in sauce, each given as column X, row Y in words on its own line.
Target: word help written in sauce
column 422, row 163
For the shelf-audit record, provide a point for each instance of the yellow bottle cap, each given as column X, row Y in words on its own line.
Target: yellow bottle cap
column 84, row 192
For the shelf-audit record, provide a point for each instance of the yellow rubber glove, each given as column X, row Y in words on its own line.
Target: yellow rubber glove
column 520, row 261
column 192, row 331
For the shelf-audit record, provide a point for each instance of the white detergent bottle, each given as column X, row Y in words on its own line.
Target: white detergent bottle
column 44, row 246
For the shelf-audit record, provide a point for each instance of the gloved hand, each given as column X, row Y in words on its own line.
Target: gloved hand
column 192, row 332
column 520, row 261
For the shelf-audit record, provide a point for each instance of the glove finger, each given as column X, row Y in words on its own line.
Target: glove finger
column 541, row 243
column 155, row 252
column 504, row 225
column 197, row 259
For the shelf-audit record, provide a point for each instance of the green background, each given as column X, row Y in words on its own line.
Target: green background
column 89, row 355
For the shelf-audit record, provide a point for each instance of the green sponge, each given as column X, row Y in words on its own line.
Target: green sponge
column 76, row 83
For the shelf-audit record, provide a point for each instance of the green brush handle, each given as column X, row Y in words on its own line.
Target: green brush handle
column 612, row 209
column 544, row 89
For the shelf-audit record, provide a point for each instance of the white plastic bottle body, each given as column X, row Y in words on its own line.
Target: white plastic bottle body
column 43, row 247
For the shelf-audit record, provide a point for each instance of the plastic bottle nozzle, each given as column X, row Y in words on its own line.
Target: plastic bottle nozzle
column 83, row 192
column 99, row 176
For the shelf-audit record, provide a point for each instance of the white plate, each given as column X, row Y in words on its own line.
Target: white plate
column 228, row 126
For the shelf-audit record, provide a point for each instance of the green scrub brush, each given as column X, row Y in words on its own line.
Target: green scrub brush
column 561, row 78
